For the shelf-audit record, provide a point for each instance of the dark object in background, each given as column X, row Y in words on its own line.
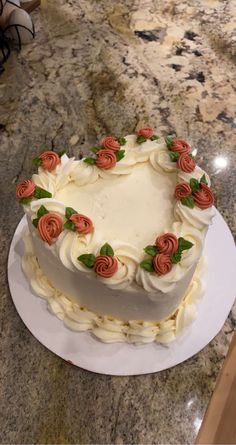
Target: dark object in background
column 16, row 26
column 4, row 50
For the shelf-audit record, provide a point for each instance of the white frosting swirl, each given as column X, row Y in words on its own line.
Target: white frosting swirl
column 84, row 173
column 122, row 167
column 73, row 245
column 196, row 217
column 64, row 171
column 143, row 151
column 197, row 174
column 45, row 180
column 191, row 256
column 161, row 160
column 52, row 205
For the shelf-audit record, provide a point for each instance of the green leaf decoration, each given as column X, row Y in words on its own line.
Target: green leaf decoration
column 174, row 156
column 37, row 161
column 106, row 249
column 169, row 141
column 121, row 140
column 42, row 211
column 95, row 149
column 69, row 225
column 119, row 154
column 88, row 259
column 90, row 161
column 188, row 201
column 184, row 244
column 191, row 155
column 26, row 201
column 151, row 250
column 176, row 257
column 147, row 265
column 40, row 193
column 61, row 153
column 140, row 139
column 154, row 137
column 203, row 179
column 35, row 222
column 69, row 212
column 194, row 184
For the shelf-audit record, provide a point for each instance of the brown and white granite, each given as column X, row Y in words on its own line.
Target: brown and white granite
column 96, row 68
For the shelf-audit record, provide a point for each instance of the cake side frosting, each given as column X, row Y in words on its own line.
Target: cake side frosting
column 109, row 329
column 132, row 278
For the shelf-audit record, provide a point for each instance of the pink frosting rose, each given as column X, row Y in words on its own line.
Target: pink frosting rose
column 186, row 163
column 106, row 159
column 111, row 143
column 180, row 146
column 105, row 266
column 50, row 160
column 204, row 198
column 182, row 190
column 146, row 132
column 25, row 189
column 167, row 243
column 162, row 263
column 83, row 224
column 49, row 227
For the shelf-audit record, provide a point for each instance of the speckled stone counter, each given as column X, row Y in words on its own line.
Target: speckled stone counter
column 97, row 68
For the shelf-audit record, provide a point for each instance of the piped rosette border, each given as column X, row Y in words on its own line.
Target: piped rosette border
column 50, row 224
column 166, row 252
column 60, row 225
column 196, row 192
column 113, row 265
column 108, row 153
column 105, row 264
column 27, row 190
column 194, row 199
column 172, row 257
column 48, row 160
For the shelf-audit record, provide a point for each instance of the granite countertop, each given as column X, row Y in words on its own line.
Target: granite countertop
column 97, row 68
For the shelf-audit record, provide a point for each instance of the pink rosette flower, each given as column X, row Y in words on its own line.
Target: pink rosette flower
column 180, row 146
column 186, row 163
column 182, row 190
column 83, row 224
column 106, row 159
column 49, row 227
column 110, row 143
column 146, row 132
column 105, row 266
column 167, row 243
column 25, row 189
column 204, row 198
column 162, row 263
column 49, row 160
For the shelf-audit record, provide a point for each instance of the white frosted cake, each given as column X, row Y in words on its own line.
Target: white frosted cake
column 115, row 239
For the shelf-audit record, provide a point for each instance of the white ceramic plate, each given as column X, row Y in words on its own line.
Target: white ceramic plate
column 85, row 351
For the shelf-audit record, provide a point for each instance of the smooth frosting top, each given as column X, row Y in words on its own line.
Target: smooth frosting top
column 133, row 207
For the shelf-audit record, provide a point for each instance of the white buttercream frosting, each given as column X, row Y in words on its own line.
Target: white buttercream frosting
column 109, row 329
column 130, row 205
